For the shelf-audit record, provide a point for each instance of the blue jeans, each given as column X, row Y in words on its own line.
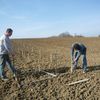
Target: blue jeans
column 84, row 60
column 4, row 59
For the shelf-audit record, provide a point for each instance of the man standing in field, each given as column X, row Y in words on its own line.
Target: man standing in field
column 5, row 50
column 78, row 50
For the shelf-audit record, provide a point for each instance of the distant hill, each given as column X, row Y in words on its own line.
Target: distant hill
column 61, row 35
column 66, row 34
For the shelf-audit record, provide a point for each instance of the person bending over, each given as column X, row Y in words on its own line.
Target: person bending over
column 78, row 50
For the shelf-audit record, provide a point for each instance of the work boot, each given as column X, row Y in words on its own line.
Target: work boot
column 4, row 78
column 86, row 70
column 14, row 75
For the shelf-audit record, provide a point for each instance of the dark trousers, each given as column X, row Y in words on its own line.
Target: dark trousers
column 4, row 59
column 84, row 60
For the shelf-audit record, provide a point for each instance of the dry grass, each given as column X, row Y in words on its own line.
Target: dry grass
column 53, row 55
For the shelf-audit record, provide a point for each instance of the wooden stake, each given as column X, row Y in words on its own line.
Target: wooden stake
column 50, row 73
column 80, row 81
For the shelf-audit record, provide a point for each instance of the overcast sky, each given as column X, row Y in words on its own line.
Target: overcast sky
column 43, row 18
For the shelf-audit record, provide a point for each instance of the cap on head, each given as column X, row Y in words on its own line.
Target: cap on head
column 9, row 32
column 76, row 46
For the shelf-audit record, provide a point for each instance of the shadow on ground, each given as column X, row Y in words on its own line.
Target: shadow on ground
column 23, row 73
column 94, row 68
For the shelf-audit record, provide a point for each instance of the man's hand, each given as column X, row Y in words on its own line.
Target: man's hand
column 74, row 61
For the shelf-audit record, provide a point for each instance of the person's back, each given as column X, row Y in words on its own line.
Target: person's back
column 83, row 48
column 78, row 47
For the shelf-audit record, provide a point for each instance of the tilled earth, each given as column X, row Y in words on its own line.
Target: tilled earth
column 30, row 63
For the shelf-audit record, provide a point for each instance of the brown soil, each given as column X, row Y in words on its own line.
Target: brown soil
column 52, row 55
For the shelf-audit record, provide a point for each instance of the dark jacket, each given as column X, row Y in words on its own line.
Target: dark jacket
column 81, row 50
